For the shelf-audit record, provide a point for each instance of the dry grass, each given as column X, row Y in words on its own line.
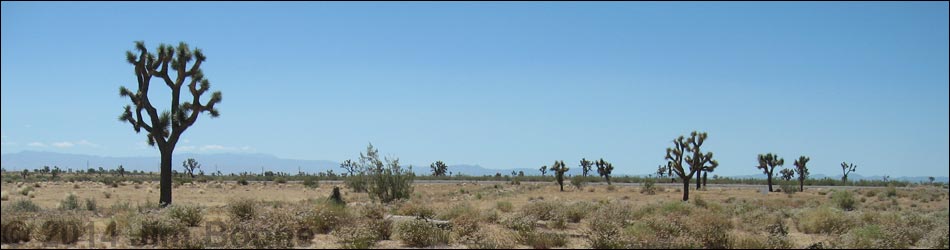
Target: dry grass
column 502, row 216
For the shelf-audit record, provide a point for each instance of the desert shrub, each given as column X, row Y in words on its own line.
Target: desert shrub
column 711, row 230
column 63, row 228
column 327, row 217
column 25, row 191
column 605, row 232
column 242, row 182
column 611, row 188
column 91, row 205
column 490, row 216
column 871, row 237
column 789, row 188
column 649, row 187
column 575, row 212
column 420, row 233
column 356, row 236
column 108, row 195
column 311, row 182
column 417, row 209
column 520, row 222
column 543, row 210
column 154, row 229
column 457, row 210
column 870, row 193
column 937, row 239
column 487, row 238
column 112, row 229
column 504, row 206
column 15, row 229
column 542, row 240
column 4, row 196
column 70, row 203
column 22, row 205
column 465, row 225
column 242, row 210
column 844, row 200
column 280, row 180
column 824, row 220
column 190, row 216
column 890, row 192
column 578, row 182
column 271, row 230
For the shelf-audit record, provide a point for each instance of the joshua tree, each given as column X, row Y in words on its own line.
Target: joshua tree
column 701, row 175
column 586, row 166
column 121, row 171
column 847, row 168
column 787, row 174
column 438, row 168
column 164, row 129
column 802, row 169
column 604, row 168
column 767, row 164
column 559, row 169
column 190, row 166
column 932, row 179
column 661, row 171
column 543, row 169
column 697, row 161
column 350, row 167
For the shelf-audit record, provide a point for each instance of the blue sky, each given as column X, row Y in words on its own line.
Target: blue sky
column 502, row 85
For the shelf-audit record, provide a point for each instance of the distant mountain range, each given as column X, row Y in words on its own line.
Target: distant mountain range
column 256, row 163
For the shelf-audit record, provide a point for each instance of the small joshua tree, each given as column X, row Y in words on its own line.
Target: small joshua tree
column 847, row 168
column 586, row 166
column 767, row 163
column 350, row 167
column 604, row 168
column 439, row 168
column 543, row 169
column 787, row 174
column 164, row 129
column 190, row 166
column 661, row 171
column 559, row 169
column 801, row 169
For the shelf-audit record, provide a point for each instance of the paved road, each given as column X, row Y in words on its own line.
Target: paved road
column 671, row 185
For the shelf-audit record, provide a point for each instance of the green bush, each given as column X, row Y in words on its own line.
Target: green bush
column 465, row 225
column 578, row 182
column 543, row 210
column 844, row 200
column 486, row 238
column 242, row 210
column 280, row 180
column 63, row 228
column 649, row 187
column 70, row 203
column 270, row 230
column 605, row 232
column 22, row 205
column 327, row 217
column 824, row 220
column 311, row 183
column 460, row 209
column 411, row 208
column 504, row 206
column 356, row 236
column 190, row 216
column 390, row 183
column 575, row 212
column 15, row 229
column 242, row 182
column 937, row 239
column 543, row 240
column 890, row 192
column 91, row 205
column 420, row 233
column 521, row 222
column 152, row 229
column 871, row 237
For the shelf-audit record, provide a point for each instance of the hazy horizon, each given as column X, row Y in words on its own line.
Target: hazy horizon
column 501, row 85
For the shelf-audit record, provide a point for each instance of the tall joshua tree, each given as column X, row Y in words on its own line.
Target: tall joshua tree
column 438, row 168
column 559, row 169
column 164, row 129
column 847, row 168
column 689, row 150
column 767, row 164
column 586, row 166
column 604, row 168
column 801, row 169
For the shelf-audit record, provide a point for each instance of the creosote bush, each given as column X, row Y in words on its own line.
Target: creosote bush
column 188, row 215
column 153, row 229
column 70, row 203
column 242, row 210
column 824, row 220
column 15, row 229
column 420, row 233
column 844, row 200
column 61, row 228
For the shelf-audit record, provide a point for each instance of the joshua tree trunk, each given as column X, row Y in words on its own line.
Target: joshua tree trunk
column 770, row 183
column 686, row 190
column 698, row 180
column 801, row 186
column 705, row 174
column 166, row 179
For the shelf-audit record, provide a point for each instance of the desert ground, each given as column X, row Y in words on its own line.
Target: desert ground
column 487, row 215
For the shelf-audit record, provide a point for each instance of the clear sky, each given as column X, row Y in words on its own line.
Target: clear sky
column 502, row 85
